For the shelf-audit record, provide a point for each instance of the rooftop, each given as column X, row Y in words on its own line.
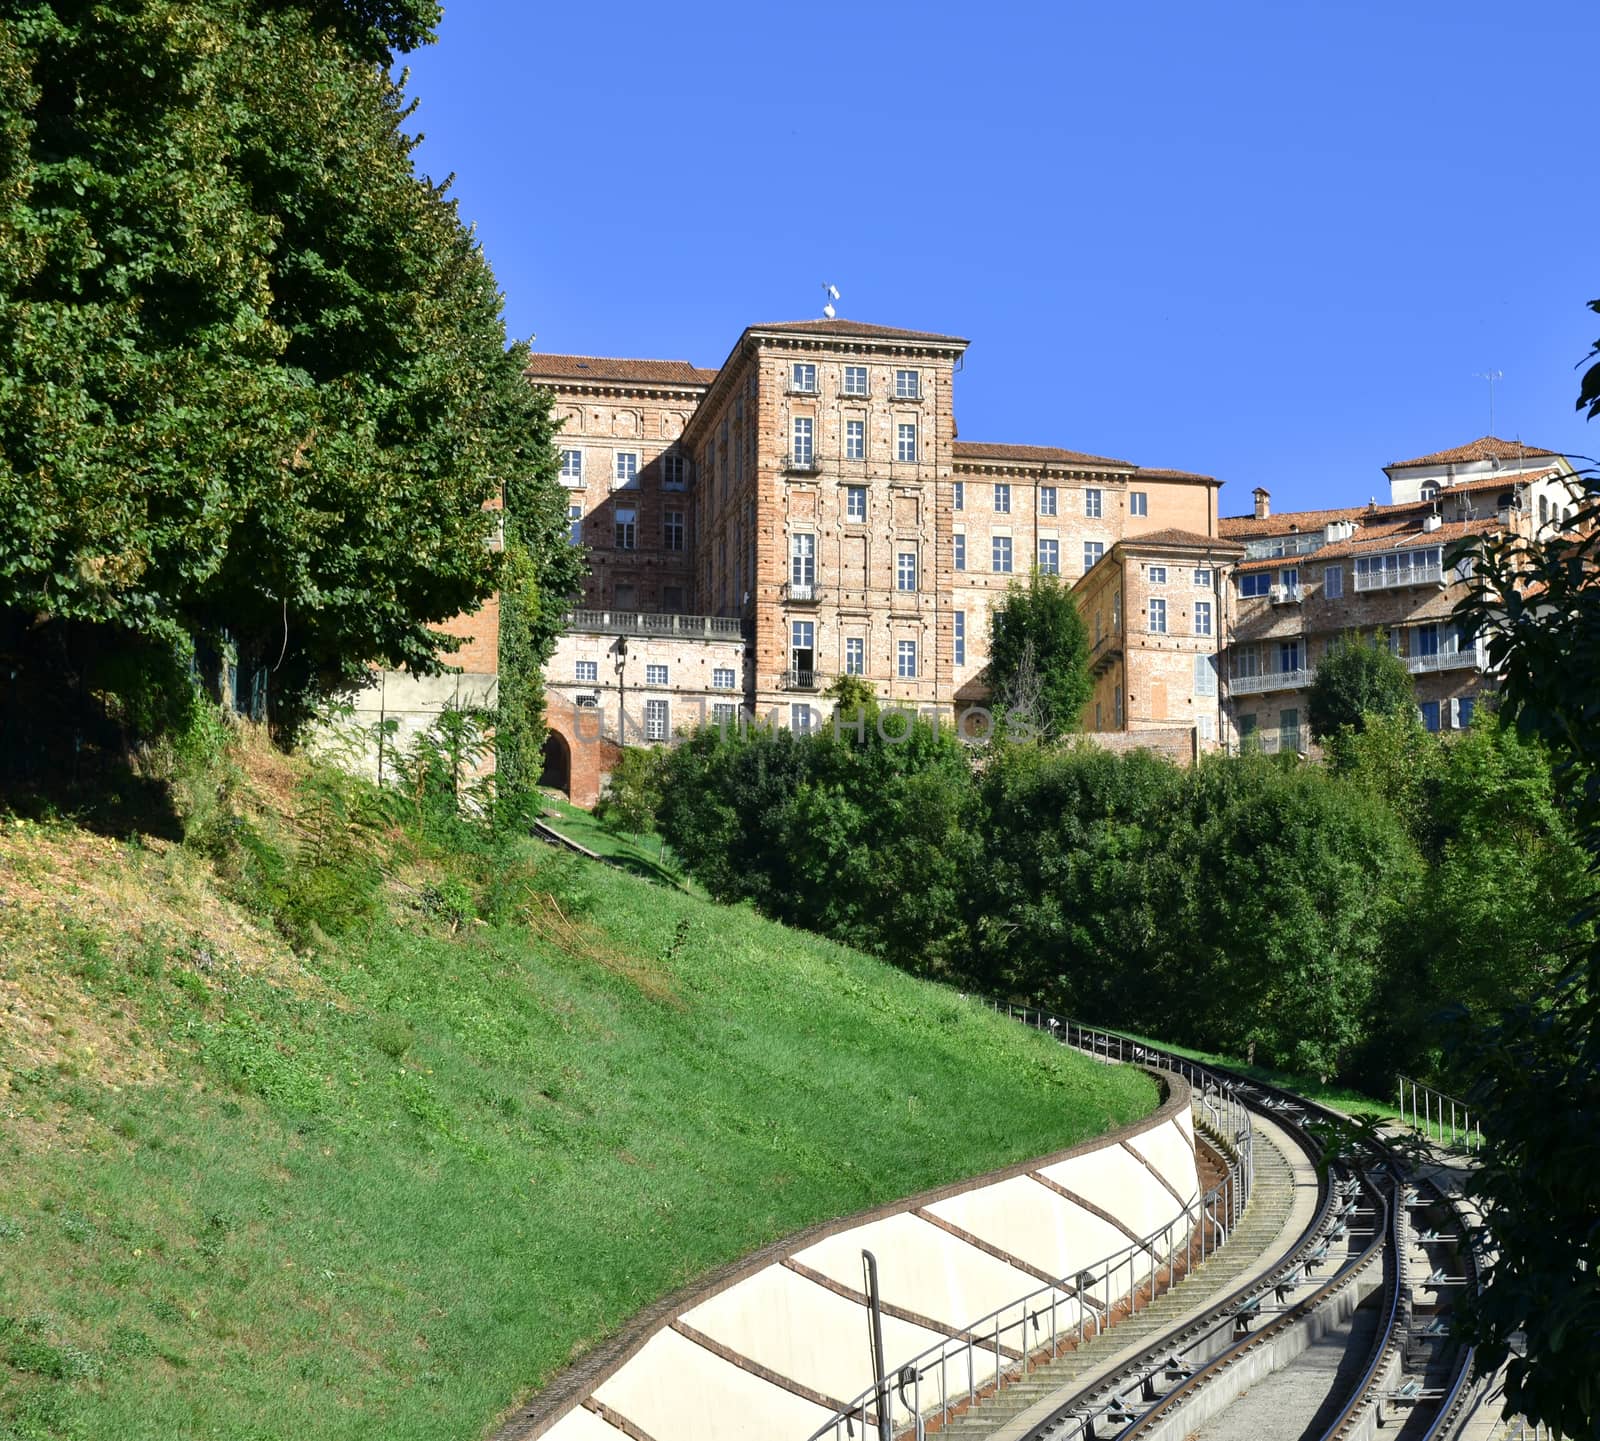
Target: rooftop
column 1035, row 455
column 600, row 369
column 1487, row 447
column 1173, row 536
column 856, row 328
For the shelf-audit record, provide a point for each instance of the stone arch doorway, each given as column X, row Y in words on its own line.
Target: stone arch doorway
column 557, row 772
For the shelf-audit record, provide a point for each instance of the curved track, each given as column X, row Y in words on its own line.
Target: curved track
column 1377, row 1231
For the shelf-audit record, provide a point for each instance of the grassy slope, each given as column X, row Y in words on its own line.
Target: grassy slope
column 384, row 1190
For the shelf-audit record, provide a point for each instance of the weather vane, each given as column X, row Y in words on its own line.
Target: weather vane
column 832, row 292
column 1491, row 376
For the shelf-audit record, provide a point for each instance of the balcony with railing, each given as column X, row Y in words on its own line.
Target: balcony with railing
column 1270, row 680
column 802, row 592
column 802, row 464
column 634, row 622
column 1393, row 577
column 805, row 680
column 1471, row 658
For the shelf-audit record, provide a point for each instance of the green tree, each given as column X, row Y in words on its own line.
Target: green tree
column 1039, row 655
column 632, row 795
column 253, row 373
column 1356, row 679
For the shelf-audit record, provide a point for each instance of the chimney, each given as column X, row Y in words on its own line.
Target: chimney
column 1263, row 502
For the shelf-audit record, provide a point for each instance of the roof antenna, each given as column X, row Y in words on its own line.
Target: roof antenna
column 1491, row 376
column 832, row 292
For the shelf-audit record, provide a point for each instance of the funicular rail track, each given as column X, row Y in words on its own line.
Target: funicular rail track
column 1370, row 1218
column 1152, row 1394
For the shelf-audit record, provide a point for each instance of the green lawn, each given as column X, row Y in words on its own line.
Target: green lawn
column 642, row 854
column 389, row 1190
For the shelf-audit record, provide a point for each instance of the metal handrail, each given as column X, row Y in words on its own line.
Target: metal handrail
column 1423, row 1109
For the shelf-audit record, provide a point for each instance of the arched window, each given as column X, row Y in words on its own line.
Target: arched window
column 1430, row 490
column 1544, row 510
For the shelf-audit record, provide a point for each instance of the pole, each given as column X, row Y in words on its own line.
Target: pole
column 869, row 1265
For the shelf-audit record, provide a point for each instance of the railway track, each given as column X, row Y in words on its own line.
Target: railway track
column 1380, row 1236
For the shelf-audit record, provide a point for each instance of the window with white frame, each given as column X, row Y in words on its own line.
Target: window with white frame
column 803, row 377
column 1158, row 615
column 672, row 471
column 586, row 700
column 802, row 562
column 655, row 675
column 627, row 468
column 803, row 447
column 1257, row 582
column 1000, row 554
column 1093, row 503
column 1205, row 675
column 1049, row 557
column 800, row 718
column 1002, row 499
column 960, row 495
column 626, row 520
column 855, row 502
column 960, row 637
column 855, row 440
column 855, row 655
column 907, row 385
column 723, row 677
column 1288, row 656
column 905, row 654
column 960, row 541
column 855, row 380
column 1202, row 617
column 905, row 570
column 905, row 446
column 575, row 525
column 655, row 720
column 1202, row 578
column 1333, row 582
column 1156, row 574
column 572, row 467
column 587, row 671
column 724, row 713
column 1047, row 500
column 803, row 637
column 1206, row 727
column 1138, row 502
column 1093, row 550
column 672, row 529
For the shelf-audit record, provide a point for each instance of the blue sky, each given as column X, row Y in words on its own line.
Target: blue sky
column 1271, row 242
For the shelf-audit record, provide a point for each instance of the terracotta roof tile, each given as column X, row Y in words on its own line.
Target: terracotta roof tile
column 856, row 328
column 1182, row 537
column 1503, row 481
column 1394, row 534
column 599, row 369
column 1487, row 447
column 1035, row 455
column 1157, row 473
column 1247, row 527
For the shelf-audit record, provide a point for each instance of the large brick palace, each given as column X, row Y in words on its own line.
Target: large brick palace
column 809, row 510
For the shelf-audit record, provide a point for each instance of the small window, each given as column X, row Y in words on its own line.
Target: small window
column 1047, row 500
column 655, row 720
column 1464, row 709
column 905, row 570
column 960, row 637
column 906, row 443
column 627, row 468
column 1430, row 490
column 672, row 529
column 1093, row 550
column 1289, row 730
column 1138, row 502
column 961, row 552
column 626, row 522
column 572, row 467
column 1202, row 578
column 961, row 495
column 1116, row 611
column 1157, row 575
column 1049, row 557
column 588, row 670
column 1288, row 656
column 1430, row 714
column 906, row 659
column 655, row 675
column 855, row 380
column 586, row 700
column 672, row 471
column 722, row 678
column 575, row 525
column 1205, row 675
column 855, row 440
column 1206, row 725
column 1093, row 503
column 1116, row 706
column 804, row 438
column 1202, row 617
column 1258, row 582
column 1000, row 554
column 724, row 713
column 855, row 502
column 803, row 377
column 1002, row 500
column 800, row 718
column 907, row 385
column 1158, row 615
column 1333, row 582
column 855, row 655
column 1289, row 578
